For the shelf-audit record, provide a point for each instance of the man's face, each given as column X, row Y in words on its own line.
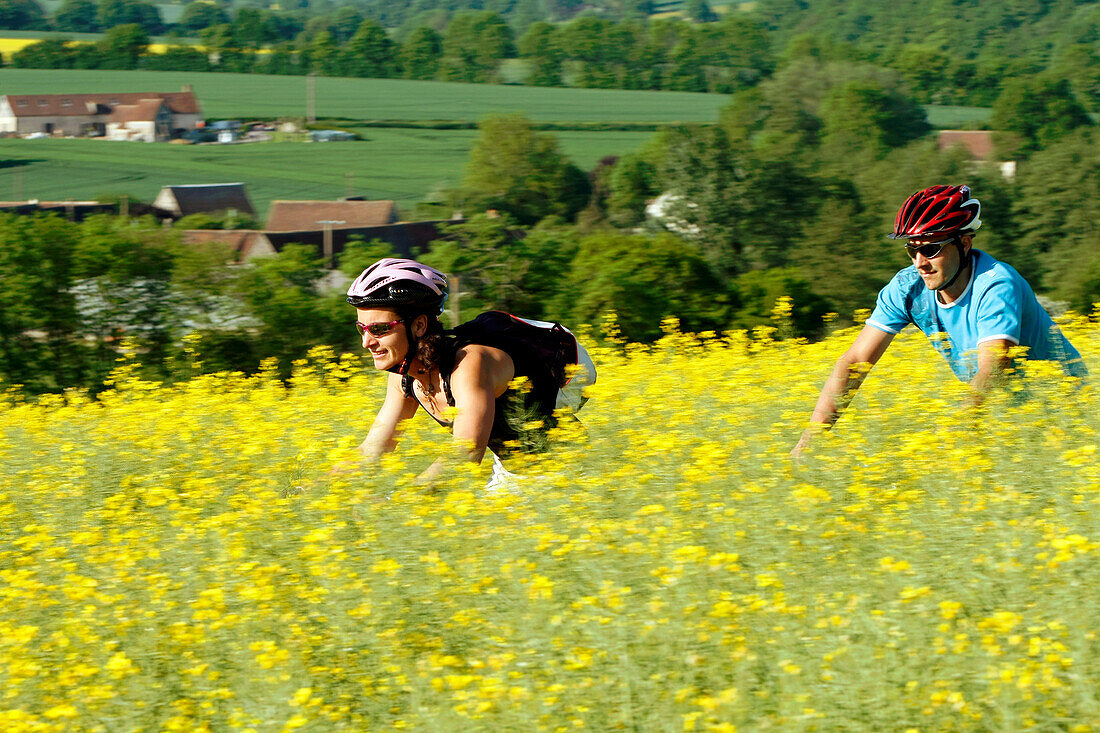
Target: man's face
column 938, row 269
column 387, row 349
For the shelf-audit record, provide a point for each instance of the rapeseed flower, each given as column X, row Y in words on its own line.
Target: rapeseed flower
column 181, row 558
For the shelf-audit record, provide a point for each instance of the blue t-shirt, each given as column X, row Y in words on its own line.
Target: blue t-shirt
column 997, row 304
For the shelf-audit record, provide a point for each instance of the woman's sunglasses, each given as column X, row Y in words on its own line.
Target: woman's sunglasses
column 928, row 250
column 375, row 329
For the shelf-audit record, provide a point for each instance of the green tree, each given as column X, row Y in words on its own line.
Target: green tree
column 514, row 169
column 420, row 54
column 501, row 267
column 252, row 28
column 369, row 53
column 704, row 191
column 863, row 115
column 1080, row 64
column 177, row 58
column 323, row 54
column 122, row 282
column 539, row 47
column 643, row 279
column 345, row 22
column 49, row 53
column 20, row 14
column 110, row 13
column 1036, row 111
column 1056, row 213
column 200, row 14
column 474, row 44
column 76, row 16
column 759, row 290
column 633, row 183
column 37, row 310
column 284, row 293
column 592, row 59
column 699, row 11
column 123, row 46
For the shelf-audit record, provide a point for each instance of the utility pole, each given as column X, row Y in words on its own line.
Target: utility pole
column 454, row 294
column 326, row 246
column 311, row 97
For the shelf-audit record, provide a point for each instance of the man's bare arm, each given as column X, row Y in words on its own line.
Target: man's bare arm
column 845, row 380
column 993, row 361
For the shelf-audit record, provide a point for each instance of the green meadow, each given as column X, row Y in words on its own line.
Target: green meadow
column 401, row 164
column 256, row 95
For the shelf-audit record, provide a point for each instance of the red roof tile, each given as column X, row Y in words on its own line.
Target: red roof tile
column 59, row 105
column 292, row 216
column 979, row 143
column 144, row 111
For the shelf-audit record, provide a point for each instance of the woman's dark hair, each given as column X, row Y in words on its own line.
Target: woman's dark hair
column 434, row 347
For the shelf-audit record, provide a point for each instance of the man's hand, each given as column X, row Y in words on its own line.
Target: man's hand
column 807, row 437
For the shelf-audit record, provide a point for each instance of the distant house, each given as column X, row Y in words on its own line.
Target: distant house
column 149, row 120
column 978, row 145
column 130, row 115
column 299, row 216
column 245, row 243
column 405, row 237
column 211, row 198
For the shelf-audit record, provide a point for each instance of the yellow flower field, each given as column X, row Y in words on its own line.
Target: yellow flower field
column 180, row 558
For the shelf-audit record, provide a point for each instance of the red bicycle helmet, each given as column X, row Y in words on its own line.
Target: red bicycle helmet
column 938, row 210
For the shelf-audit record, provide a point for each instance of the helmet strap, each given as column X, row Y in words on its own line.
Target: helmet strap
column 964, row 262
column 406, row 363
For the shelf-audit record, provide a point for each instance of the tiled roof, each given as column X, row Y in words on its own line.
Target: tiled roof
column 300, row 216
column 208, row 198
column 978, row 143
column 60, row 105
column 240, row 240
column 144, row 110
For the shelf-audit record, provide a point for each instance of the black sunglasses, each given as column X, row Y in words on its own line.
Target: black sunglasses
column 928, row 250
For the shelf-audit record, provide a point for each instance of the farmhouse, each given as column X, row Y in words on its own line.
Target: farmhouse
column 978, row 144
column 145, row 116
column 331, row 225
column 297, row 216
column 204, row 198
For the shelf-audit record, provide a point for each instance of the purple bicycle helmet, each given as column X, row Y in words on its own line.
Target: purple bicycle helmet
column 400, row 283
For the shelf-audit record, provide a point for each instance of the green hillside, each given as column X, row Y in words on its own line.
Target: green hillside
column 255, row 95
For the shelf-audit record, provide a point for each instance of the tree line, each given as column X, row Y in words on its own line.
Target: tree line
column 588, row 52
column 967, row 63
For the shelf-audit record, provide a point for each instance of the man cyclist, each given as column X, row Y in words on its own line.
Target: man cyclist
column 972, row 307
column 462, row 378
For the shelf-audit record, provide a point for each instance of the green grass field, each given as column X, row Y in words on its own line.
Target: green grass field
column 400, row 164
column 256, row 95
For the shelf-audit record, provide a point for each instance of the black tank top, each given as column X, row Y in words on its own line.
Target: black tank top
column 520, row 420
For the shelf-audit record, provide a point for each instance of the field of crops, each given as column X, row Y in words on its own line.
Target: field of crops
column 391, row 163
column 181, row 559
column 256, row 95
